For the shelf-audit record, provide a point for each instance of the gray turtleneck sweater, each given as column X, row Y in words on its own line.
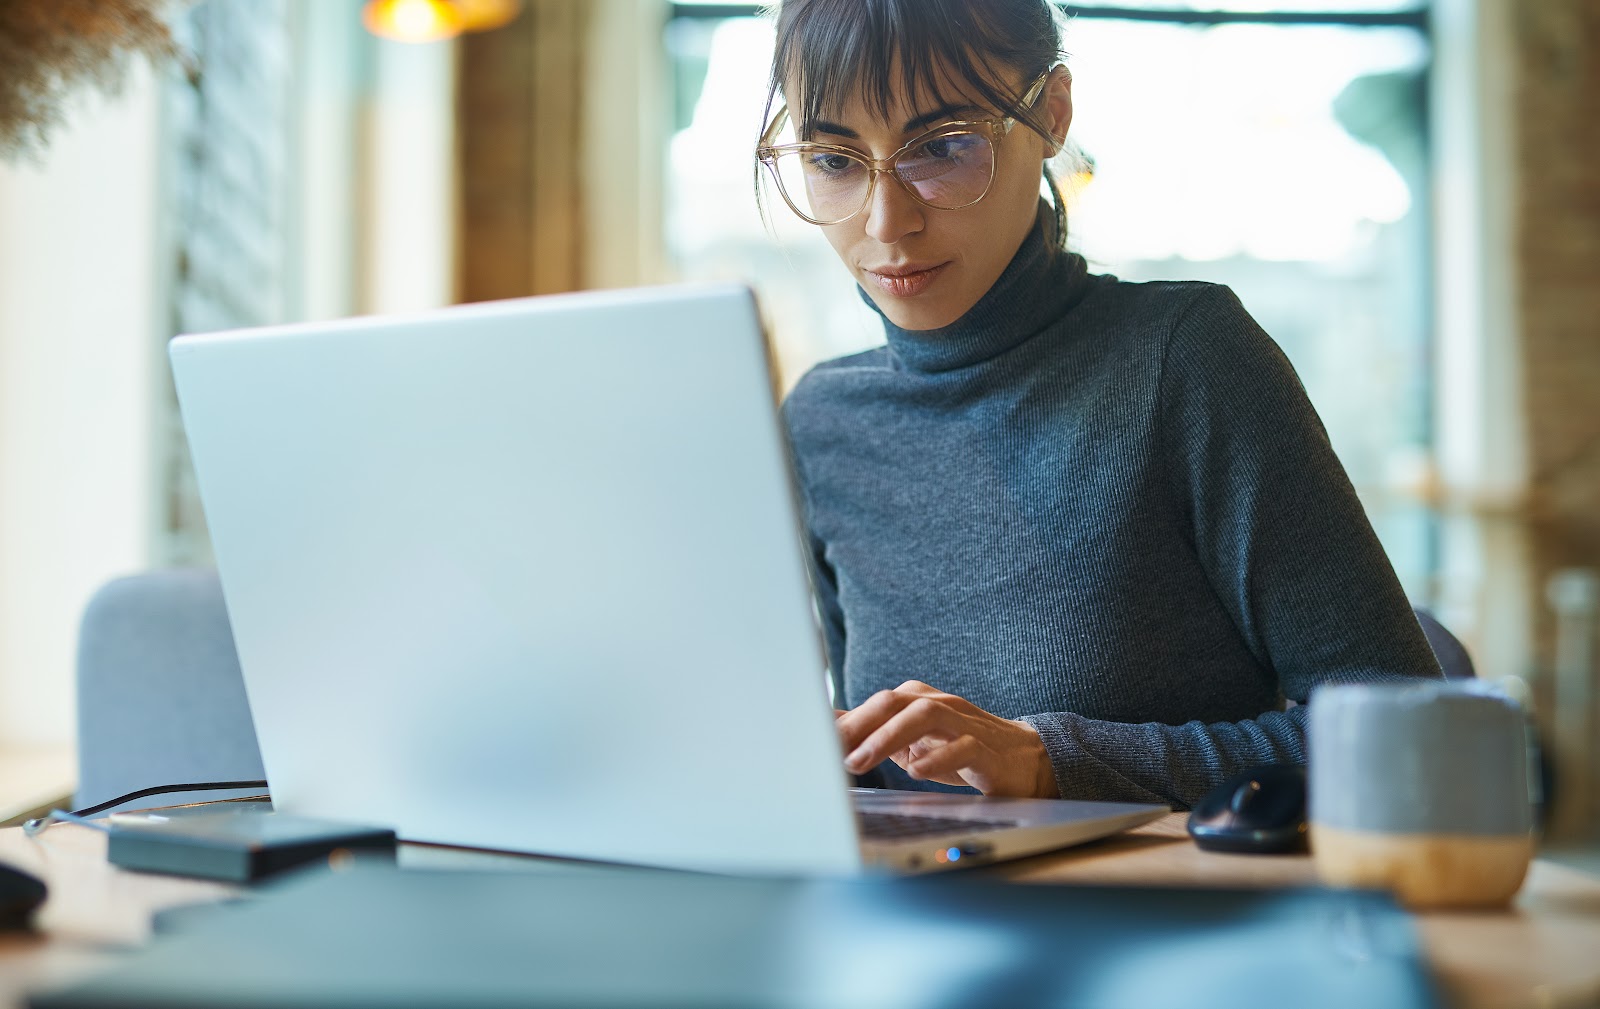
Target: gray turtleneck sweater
column 1103, row 507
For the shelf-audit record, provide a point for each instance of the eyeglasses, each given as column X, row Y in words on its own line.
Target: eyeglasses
column 948, row 168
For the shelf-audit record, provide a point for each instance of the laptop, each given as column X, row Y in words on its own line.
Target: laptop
column 527, row 575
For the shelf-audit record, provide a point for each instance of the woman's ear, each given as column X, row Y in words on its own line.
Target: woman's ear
column 1058, row 107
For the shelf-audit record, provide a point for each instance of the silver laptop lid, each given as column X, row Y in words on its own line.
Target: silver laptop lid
column 525, row 575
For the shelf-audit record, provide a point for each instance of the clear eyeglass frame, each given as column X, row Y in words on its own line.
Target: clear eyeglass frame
column 768, row 153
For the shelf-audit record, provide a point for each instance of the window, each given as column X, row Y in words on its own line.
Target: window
column 1275, row 148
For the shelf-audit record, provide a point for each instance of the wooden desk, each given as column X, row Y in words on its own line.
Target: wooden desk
column 32, row 778
column 1542, row 952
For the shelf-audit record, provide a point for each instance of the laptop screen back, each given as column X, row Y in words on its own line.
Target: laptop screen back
column 525, row 575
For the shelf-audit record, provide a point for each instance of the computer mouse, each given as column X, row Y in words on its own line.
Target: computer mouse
column 20, row 895
column 1259, row 812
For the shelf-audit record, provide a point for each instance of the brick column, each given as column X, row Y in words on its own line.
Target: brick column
column 519, row 122
column 1556, row 119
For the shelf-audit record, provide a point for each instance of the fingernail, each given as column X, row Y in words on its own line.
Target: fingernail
column 855, row 762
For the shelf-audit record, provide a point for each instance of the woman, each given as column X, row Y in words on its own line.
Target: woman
column 1071, row 536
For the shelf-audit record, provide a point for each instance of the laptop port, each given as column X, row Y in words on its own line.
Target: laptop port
column 957, row 853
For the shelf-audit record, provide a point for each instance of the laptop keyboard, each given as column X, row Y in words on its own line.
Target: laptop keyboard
column 899, row 827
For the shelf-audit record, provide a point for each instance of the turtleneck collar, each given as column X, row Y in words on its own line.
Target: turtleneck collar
column 1035, row 290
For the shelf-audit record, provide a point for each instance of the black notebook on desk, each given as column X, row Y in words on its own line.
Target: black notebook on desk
column 576, row 938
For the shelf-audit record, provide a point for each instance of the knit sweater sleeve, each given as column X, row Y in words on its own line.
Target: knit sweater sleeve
column 1286, row 546
column 824, row 582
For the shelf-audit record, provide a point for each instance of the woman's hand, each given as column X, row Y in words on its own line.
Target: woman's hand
column 941, row 737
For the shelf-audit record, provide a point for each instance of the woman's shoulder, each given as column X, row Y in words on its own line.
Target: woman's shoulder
column 1212, row 358
column 1167, row 305
column 1195, row 325
column 873, row 359
column 822, row 379
column 827, row 387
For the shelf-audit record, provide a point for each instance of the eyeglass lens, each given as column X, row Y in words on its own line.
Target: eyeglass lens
column 947, row 172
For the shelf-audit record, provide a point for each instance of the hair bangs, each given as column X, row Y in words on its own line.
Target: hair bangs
column 939, row 52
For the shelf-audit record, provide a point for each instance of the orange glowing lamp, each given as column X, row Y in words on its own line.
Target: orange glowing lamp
column 433, row 20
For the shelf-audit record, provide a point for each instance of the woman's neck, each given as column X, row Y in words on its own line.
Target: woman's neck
column 1041, row 282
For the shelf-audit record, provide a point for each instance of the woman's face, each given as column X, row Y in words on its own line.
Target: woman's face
column 926, row 268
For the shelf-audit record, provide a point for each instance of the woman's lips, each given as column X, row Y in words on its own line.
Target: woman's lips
column 905, row 281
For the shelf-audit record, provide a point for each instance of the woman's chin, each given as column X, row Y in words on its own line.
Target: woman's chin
column 916, row 314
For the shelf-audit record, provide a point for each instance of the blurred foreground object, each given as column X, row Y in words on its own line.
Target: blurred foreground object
column 1422, row 789
column 375, row 934
column 49, row 47
column 433, row 20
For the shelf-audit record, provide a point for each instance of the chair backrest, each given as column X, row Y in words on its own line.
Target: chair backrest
column 160, row 696
column 1447, row 648
column 161, row 699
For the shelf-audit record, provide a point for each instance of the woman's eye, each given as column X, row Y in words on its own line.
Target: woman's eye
column 831, row 164
column 947, row 148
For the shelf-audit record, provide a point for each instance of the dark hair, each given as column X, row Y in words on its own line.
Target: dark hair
column 830, row 50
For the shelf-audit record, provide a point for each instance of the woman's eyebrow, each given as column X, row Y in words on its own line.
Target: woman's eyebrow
column 823, row 126
column 911, row 126
column 943, row 112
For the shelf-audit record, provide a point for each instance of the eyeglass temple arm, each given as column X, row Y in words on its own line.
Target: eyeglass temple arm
column 771, row 132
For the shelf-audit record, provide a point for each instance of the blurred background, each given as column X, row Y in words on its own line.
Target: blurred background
column 1402, row 192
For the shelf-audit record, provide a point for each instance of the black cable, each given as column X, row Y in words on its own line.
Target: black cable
column 35, row 825
column 199, row 786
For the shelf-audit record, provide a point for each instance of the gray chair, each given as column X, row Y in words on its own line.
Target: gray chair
column 161, row 700
column 1447, row 648
column 160, row 697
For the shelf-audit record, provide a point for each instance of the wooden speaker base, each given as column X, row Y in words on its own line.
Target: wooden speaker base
column 1424, row 870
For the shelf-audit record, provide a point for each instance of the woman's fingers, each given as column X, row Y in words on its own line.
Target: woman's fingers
column 866, row 718
column 945, row 763
column 916, row 718
column 961, row 705
column 941, row 737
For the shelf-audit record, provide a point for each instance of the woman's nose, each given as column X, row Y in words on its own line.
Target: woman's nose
column 891, row 213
